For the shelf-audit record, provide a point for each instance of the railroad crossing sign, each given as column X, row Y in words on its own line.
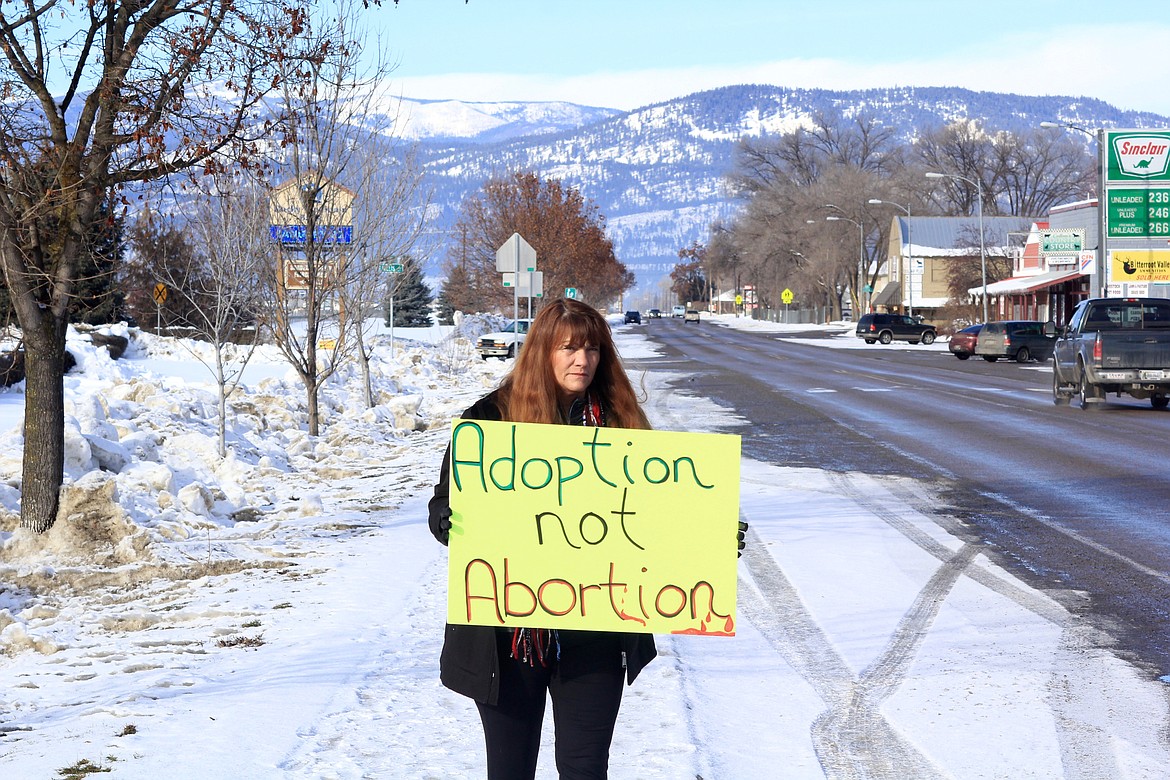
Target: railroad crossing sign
column 160, row 293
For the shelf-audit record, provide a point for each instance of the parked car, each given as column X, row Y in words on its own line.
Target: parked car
column 654, row 314
column 884, row 328
column 632, row 316
column 691, row 316
column 678, row 311
column 962, row 344
column 503, row 343
column 1020, row 340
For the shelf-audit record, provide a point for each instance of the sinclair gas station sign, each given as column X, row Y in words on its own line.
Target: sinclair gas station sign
column 1139, row 155
column 1137, row 200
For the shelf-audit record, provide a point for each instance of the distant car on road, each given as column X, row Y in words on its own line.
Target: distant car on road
column 1020, row 340
column 884, row 328
column 962, row 344
column 632, row 316
column 654, row 314
column 504, row 343
column 678, row 311
column 690, row 315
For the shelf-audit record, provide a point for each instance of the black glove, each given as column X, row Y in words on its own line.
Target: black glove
column 445, row 524
column 739, row 537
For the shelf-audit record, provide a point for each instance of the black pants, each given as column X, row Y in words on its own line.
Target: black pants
column 586, row 689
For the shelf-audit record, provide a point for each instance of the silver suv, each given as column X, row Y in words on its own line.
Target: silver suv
column 1019, row 340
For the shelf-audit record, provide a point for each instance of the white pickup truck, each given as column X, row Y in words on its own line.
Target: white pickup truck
column 503, row 343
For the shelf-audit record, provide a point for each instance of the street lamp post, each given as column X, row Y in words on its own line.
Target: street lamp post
column 910, row 250
column 982, row 246
column 860, row 250
column 1098, row 285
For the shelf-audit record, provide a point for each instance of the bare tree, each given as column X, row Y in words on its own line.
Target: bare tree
column 1039, row 169
column 333, row 137
column 226, row 281
column 829, row 170
column 93, row 97
column 389, row 220
column 566, row 230
column 1020, row 173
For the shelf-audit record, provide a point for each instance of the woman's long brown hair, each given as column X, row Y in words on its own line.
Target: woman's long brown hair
column 529, row 392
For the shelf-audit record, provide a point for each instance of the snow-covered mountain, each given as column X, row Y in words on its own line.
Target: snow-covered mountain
column 657, row 173
column 457, row 120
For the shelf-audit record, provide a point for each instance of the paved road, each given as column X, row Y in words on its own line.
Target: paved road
column 1076, row 502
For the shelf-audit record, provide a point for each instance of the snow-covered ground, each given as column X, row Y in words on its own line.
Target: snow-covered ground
column 278, row 613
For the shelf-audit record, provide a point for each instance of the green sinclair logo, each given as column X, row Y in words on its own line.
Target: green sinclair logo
column 1141, row 155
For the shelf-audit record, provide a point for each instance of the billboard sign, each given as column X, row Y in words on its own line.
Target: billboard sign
column 1139, row 212
column 1138, row 155
column 323, row 234
column 1062, row 242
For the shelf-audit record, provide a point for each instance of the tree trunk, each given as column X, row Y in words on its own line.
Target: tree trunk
column 44, row 436
column 314, row 408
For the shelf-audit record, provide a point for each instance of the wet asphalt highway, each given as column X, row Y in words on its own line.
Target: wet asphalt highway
column 1075, row 502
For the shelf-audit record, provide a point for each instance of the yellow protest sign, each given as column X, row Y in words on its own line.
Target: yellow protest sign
column 558, row 526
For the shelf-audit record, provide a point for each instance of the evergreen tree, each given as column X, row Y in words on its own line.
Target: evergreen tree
column 444, row 309
column 412, row 297
column 96, row 299
column 161, row 251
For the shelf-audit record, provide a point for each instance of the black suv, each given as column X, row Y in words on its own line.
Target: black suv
column 885, row 328
column 632, row 316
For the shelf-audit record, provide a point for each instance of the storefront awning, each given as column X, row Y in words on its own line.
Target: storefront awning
column 1023, row 284
column 891, row 295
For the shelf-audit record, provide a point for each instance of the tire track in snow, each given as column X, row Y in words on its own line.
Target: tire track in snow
column 1083, row 703
column 851, row 738
column 1076, row 690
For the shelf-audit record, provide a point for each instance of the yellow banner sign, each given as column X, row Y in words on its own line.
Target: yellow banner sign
column 606, row 529
column 1140, row 265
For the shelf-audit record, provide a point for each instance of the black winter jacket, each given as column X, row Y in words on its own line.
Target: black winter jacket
column 470, row 663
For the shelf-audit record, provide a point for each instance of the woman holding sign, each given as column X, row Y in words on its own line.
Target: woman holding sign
column 567, row 373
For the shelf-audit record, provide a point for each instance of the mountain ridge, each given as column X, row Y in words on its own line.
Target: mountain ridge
column 657, row 173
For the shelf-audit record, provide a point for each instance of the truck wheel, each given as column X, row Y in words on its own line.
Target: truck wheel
column 1088, row 395
column 1059, row 397
column 511, row 352
column 1023, row 355
column 1159, row 401
column 928, row 338
column 885, row 337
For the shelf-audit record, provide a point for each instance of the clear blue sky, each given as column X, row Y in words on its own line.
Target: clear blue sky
column 628, row 53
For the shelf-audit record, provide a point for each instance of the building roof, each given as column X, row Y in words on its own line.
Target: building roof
column 1021, row 284
column 955, row 236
